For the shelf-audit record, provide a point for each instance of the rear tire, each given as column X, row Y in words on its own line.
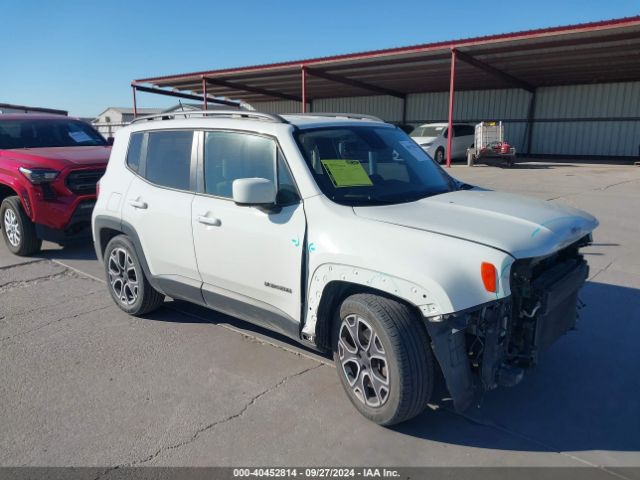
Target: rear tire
column 126, row 281
column 439, row 158
column 383, row 358
column 18, row 230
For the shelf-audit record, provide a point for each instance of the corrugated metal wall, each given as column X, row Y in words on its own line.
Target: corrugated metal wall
column 475, row 106
column 586, row 135
column 599, row 111
column 387, row 108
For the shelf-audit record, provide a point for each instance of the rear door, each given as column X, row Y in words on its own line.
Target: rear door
column 158, row 202
column 249, row 258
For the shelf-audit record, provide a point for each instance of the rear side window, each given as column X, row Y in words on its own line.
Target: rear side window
column 463, row 130
column 135, row 149
column 168, row 159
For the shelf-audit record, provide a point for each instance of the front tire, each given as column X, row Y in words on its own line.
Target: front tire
column 439, row 156
column 126, row 280
column 18, row 230
column 383, row 358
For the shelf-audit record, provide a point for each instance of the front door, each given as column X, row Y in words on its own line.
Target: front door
column 249, row 258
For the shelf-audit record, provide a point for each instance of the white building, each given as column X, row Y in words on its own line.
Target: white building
column 113, row 118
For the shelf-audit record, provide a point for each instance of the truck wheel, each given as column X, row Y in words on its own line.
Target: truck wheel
column 18, row 230
column 383, row 358
column 127, row 282
column 439, row 156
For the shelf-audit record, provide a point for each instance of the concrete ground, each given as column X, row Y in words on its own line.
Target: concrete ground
column 83, row 384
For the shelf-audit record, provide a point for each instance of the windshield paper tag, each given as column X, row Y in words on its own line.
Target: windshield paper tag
column 347, row 173
column 79, row 136
column 414, row 149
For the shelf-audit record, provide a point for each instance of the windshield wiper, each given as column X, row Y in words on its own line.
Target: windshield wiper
column 409, row 198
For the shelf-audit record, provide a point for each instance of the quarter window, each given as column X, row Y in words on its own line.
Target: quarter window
column 168, row 161
column 135, row 149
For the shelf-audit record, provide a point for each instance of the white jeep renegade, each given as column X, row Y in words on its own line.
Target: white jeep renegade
column 339, row 231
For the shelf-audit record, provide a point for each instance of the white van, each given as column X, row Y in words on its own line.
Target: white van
column 432, row 137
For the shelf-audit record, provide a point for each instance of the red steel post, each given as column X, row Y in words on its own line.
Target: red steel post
column 204, row 93
column 135, row 106
column 303, row 81
column 452, row 81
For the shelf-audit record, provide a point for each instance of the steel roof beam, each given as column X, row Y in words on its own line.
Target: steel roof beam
column 354, row 83
column 187, row 96
column 250, row 89
column 510, row 79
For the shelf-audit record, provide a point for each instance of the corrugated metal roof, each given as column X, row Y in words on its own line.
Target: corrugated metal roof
column 594, row 52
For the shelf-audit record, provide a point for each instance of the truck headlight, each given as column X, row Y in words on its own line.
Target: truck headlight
column 38, row 176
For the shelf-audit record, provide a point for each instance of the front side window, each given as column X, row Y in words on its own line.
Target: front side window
column 168, row 159
column 366, row 165
column 230, row 156
column 44, row 133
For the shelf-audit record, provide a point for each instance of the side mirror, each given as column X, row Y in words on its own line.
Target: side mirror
column 110, row 141
column 254, row 192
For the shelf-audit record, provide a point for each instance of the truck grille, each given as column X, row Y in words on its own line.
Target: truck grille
column 83, row 182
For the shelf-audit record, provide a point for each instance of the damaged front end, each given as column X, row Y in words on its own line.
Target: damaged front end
column 491, row 345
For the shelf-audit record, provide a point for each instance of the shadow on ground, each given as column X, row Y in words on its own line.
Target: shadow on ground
column 76, row 251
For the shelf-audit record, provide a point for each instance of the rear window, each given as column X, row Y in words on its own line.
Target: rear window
column 43, row 133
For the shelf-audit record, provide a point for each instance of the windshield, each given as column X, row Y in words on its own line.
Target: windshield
column 428, row 131
column 365, row 165
column 39, row 133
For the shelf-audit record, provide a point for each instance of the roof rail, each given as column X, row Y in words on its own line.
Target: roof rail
column 356, row 116
column 214, row 113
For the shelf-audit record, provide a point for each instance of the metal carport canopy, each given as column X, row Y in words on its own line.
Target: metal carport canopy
column 597, row 52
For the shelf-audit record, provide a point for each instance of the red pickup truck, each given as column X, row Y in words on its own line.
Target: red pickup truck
column 49, row 169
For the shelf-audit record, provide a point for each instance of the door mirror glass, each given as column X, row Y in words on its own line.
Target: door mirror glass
column 254, row 191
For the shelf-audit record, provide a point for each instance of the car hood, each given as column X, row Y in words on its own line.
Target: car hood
column 521, row 226
column 67, row 155
column 421, row 140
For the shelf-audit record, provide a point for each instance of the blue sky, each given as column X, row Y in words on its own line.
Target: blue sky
column 82, row 55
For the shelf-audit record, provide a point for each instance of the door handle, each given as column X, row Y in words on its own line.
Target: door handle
column 138, row 204
column 212, row 222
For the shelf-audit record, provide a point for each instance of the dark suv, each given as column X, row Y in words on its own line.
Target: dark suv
column 49, row 169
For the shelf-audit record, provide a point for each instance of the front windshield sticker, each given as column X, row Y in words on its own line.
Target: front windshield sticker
column 80, row 136
column 347, row 173
column 414, row 150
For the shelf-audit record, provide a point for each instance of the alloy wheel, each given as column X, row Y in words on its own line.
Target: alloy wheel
column 12, row 227
column 363, row 360
column 123, row 276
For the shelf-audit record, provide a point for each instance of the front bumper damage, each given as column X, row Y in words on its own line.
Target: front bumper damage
column 493, row 344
